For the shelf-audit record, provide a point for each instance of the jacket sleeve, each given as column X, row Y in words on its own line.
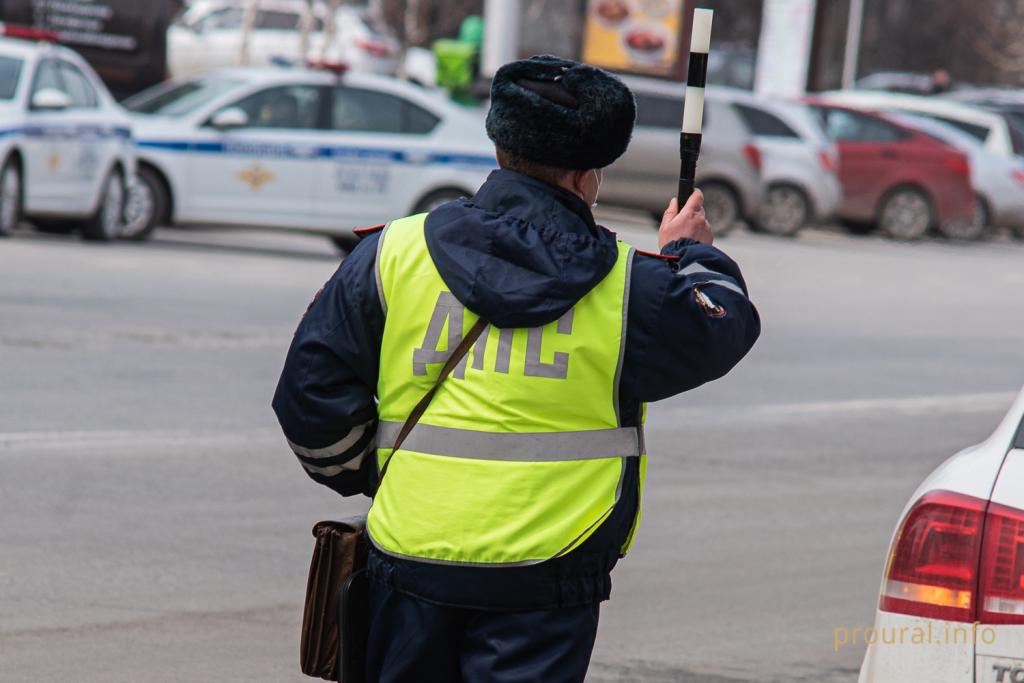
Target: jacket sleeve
column 325, row 397
column 690, row 321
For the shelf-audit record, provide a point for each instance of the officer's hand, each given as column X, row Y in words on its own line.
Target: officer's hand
column 690, row 223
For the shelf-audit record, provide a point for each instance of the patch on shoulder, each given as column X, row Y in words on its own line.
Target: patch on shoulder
column 710, row 308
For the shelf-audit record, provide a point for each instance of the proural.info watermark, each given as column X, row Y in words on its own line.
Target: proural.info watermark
column 948, row 634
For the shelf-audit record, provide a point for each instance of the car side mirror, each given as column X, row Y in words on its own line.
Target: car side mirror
column 229, row 118
column 51, row 99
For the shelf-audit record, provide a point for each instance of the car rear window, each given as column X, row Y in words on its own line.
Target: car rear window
column 763, row 123
column 10, row 74
column 974, row 130
column 654, row 111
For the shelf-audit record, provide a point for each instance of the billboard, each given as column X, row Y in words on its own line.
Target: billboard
column 634, row 36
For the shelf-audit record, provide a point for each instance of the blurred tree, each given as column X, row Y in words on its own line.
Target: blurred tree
column 419, row 22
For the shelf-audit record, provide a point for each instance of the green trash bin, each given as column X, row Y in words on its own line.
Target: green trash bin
column 456, row 67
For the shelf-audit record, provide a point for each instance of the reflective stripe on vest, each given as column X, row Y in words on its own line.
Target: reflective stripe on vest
column 520, row 456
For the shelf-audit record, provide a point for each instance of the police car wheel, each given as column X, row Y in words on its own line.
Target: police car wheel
column 721, row 207
column 106, row 224
column 905, row 214
column 785, row 211
column 436, row 199
column 145, row 206
column 10, row 198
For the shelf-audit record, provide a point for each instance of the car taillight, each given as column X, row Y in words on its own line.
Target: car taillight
column 957, row 558
column 959, row 164
column 1002, row 567
column 932, row 568
column 1018, row 175
column 753, row 156
column 828, row 163
column 373, row 47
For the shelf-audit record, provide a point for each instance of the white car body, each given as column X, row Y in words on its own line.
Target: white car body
column 795, row 154
column 325, row 179
column 987, row 126
column 998, row 180
column 65, row 154
column 978, row 532
column 209, row 36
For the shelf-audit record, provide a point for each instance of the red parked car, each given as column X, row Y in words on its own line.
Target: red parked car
column 894, row 177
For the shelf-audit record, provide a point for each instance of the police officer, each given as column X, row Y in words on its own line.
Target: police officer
column 497, row 523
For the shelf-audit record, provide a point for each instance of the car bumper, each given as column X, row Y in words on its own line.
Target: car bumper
column 907, row 648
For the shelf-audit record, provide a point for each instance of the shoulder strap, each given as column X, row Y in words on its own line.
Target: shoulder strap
column 457, row 355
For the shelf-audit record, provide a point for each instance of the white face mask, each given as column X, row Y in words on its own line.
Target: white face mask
column 594, row 205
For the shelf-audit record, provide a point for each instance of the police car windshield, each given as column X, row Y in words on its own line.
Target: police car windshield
column 10, row 72
column 180, row 99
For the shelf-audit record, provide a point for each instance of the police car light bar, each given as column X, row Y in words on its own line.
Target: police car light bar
column 27, row 33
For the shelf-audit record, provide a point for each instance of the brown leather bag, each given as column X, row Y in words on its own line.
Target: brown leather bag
column 334, row 621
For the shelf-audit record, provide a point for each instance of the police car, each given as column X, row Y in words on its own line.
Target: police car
column 310, row 149
column 65, row 145
column 951, row 608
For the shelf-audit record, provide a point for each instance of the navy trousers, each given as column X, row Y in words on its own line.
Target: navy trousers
column 412, row 641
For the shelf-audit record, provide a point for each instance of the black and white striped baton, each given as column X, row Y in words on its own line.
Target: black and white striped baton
column 693, row 108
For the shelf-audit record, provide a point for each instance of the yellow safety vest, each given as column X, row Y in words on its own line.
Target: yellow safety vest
column 520, row 456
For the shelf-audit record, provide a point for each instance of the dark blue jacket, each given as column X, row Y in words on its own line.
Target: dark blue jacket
column 519, row 253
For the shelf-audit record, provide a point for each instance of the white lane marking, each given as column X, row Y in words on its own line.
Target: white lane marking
column 859, row 407
column 67, row 441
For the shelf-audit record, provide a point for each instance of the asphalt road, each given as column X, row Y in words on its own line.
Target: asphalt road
column 156, row 527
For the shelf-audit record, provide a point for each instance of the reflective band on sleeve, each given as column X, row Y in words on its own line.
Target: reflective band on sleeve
column 522, row 447
column 350, row 466
column 698, row 269
column 376, row 271
column 334, row 449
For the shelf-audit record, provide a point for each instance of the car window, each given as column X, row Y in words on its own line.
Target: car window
column 357, row 109
column 47, row 77
column 974, row 130
column 180, row 99
column 1017, row 135
column 10, row 74
column 763, row 123
column 654, row 111
column 847, row 126
column 276, row 21
column 78, row 87
column 224, row 18
column 289, row 106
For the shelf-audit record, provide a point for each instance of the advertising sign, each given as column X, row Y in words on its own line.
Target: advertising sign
column 633, row 36
column 784, row 51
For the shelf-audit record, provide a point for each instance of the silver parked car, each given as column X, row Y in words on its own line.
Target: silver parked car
column 799, row 166
column 647, row 175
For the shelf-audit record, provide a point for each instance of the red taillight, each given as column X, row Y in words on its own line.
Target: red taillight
column 27, row 33
column 932, row 569
column 1018, row 175
column 958, row 558
column 753, row 156
column 373, row 47
column 959, row 164
column 828, row 163
column 1002, row 567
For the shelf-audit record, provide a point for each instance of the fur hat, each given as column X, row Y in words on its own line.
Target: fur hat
column 560, row 113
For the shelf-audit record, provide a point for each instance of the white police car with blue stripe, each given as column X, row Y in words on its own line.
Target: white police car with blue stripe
column 66, row 151
column 310, row 149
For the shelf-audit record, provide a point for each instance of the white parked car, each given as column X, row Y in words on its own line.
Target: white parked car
column 209, row 36
column 990, row 127
column 300, row 149
column 799, row 164
column 66, row 149
column 998, row 180
column 952, row 598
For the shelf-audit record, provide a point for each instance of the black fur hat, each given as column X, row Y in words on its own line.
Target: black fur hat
column 561, row 113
